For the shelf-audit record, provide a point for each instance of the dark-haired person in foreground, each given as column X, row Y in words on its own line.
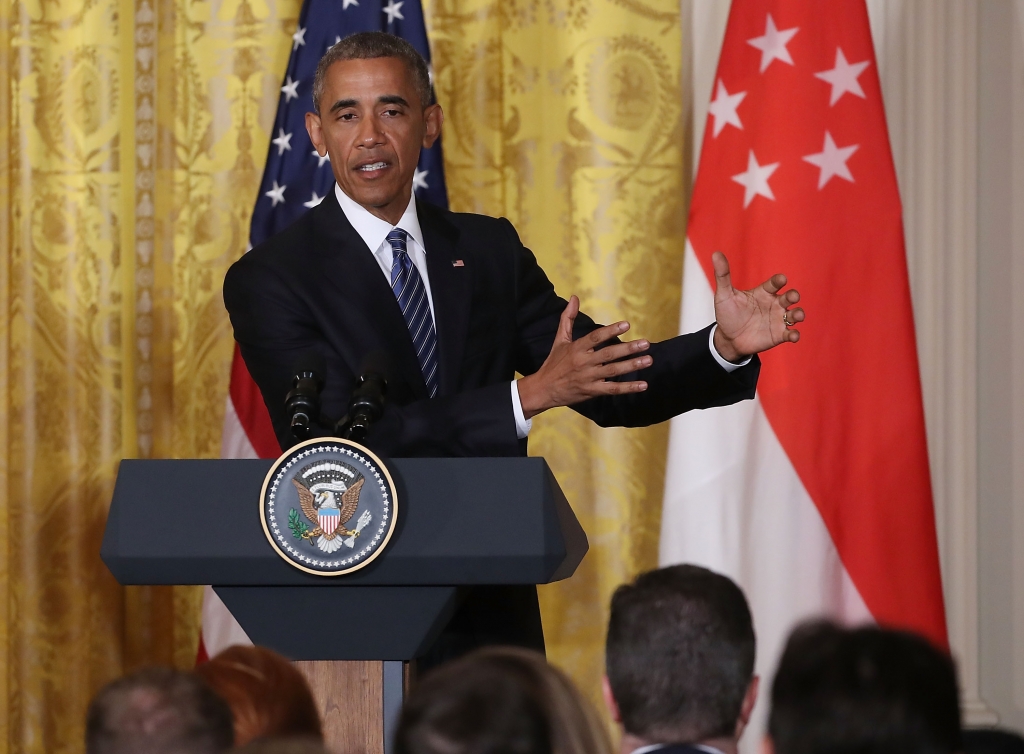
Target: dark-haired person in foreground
column 680, row 662
column 459, row 306
column 284, row 745
column 499, row 700
column 871, row 690
column 158, row 711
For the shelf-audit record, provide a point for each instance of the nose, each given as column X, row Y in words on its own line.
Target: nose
column 370, row 132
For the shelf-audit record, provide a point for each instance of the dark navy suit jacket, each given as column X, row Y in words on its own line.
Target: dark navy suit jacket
column 316, row 287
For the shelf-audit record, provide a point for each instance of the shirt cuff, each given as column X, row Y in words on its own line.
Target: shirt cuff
column 726, row 365
column 523, row 425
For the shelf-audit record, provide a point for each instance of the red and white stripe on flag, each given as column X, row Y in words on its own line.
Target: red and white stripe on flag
column 248, row 433
column 815, row 496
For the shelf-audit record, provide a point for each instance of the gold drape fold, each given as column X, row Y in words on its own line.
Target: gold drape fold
column 133, row 135
column 132, row 139
column 566, row 117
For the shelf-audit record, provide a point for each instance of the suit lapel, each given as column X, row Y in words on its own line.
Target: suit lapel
column 355, row 275
column 450, row 291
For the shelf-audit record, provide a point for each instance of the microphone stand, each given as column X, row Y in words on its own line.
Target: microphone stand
column 366, row 407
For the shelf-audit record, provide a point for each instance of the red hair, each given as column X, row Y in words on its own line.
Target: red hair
column 267, row 695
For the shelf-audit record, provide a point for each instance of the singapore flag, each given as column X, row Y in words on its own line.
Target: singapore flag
column 815, row 497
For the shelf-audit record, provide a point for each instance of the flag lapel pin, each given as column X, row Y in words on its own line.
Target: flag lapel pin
column 458, row 263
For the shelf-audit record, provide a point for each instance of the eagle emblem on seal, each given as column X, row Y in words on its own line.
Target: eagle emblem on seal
column 329, row 498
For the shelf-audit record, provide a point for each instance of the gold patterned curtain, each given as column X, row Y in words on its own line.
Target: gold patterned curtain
column 132, row 139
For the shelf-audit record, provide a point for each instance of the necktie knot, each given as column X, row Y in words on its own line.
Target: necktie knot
column 398, row 240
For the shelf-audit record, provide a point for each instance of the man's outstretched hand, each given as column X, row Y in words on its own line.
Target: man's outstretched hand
column 752, row 321
column 576, row 370
column 748, row 322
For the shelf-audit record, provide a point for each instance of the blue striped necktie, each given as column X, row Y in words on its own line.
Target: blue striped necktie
column 412, row 298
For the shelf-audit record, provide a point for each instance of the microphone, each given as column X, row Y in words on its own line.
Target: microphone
column 303, row 401
column 367, row 403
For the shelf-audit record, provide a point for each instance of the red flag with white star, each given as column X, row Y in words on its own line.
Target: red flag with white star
column 816, row 496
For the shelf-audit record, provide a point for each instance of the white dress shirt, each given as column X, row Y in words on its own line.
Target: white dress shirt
column 654, row 747
column 374, row 233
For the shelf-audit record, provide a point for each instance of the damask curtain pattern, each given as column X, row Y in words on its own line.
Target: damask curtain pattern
column 566, row 117
column 132, row 137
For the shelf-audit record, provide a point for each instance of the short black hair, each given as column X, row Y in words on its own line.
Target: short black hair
column 868, row 689
column 368, row 45
column 680, row 654
column 158, row 711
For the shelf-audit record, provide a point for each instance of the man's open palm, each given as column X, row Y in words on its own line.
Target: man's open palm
column 752, row 321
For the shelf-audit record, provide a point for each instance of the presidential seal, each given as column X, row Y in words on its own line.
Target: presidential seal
column 328, row 506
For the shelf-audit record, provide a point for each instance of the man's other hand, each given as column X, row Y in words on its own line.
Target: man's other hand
column 577, row 370
column 752, row 321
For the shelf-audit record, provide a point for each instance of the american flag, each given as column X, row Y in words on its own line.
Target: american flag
column 295, row 180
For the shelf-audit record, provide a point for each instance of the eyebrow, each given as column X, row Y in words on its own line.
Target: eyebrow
column 343, row 103
column 387, row 99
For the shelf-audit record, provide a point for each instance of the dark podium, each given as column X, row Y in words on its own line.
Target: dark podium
column 462, row 522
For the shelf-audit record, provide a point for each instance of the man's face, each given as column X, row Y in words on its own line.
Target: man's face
column 373, row 125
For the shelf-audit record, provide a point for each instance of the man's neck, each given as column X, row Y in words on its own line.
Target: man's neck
column 631, row 743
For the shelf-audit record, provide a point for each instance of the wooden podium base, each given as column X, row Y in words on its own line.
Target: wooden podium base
column 359, row 702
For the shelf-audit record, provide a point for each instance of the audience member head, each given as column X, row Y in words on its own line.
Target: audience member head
column 288, row 745
column 158, row 711
column 499, row 701
column 871, row 690
column 992, row 741
column 680, row 658
column 267, row 695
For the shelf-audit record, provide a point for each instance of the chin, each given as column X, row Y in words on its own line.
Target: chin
column 377, row 197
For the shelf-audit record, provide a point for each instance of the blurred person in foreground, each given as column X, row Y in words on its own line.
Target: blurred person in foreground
column 158, row 711
column 680, row 662
column 288, row 745
column 267, row 695
column 499, row 700
column 864, row 690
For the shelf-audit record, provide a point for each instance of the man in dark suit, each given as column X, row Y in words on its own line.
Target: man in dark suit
column 679, row 659
column 457, row 304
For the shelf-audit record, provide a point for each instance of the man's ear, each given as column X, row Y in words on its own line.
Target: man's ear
column 609, row 699
column 316, row 134
column 433, row 117
column 767, row 745
column 747, row 707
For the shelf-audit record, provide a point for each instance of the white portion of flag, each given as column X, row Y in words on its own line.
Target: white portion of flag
column 234, row 442
column 734, row 504
column 220, row 629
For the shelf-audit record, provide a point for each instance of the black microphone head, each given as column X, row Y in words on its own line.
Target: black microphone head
column 310, row 364
column 376, row 367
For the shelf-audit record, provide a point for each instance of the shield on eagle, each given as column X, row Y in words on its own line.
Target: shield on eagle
column 328, row 518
